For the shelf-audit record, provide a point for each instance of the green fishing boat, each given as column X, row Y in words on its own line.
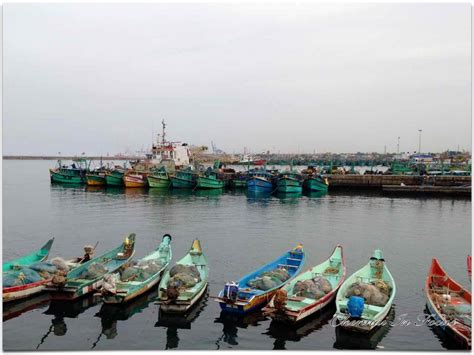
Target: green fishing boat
column 313, row 181
column 114, row 177
column 75, row 174
column 239, row 182
column 88, row 277
column 179, row 299
column 184, row 179
column 138, row 279
column 296, row 301
column 159, row 178
column 376, row 283
column 96, row 178
column 290, row 182
column 36, row 256
column 209, row 180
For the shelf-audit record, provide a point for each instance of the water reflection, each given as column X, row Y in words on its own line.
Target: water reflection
column 110, row 314
column 213, row 193
column 66, row 309
column 289, row 197
column 283, row 332
column 346, row 339
column 231, row 323
column 315, row 194
column 446, row 341
column 16, row 308
column 173, row 322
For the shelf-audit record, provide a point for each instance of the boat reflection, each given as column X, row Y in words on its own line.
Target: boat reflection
column 231, row 323
column 16, row 308
column 353, row 340
column 95, row 189
column 212, row 193
column 445, row 340
column 283, row 332
column 110, row 314
column 173, row 322
column 315, row 194
column 61, row 310
column 288, row 197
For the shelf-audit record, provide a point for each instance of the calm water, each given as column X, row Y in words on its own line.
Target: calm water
column 238, row 233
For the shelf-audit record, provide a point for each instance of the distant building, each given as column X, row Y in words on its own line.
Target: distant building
column 422, row 158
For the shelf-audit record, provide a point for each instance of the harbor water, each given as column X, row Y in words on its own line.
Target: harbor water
column 238, row 233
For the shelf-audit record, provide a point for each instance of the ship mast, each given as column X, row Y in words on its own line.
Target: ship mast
column 163, row 134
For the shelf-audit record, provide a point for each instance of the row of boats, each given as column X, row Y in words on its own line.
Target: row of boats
column 279, row 288
column 216, row 177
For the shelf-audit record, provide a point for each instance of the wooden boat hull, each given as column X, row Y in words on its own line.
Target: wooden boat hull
column 315, row 184
column 18, row 292
column 118, row 298
column 289, row 185
column 114, row 179
column 135, row 181
column 296, row 310
column 61, row 178
column 249, row 299
column 209, row 183
column 181, row 306
column 37, row 256
column 95, row 180
column 257, row 184
column 160, row 182
column 180, row 183
column 438, row 278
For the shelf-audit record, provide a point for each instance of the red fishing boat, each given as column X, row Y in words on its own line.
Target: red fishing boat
column 449, row 304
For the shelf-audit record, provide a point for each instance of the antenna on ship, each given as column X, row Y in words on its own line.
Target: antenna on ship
column 163, row 134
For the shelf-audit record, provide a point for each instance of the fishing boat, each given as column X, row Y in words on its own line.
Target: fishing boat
column 449, row 304
column 159, row 178
column 184, row 179
column 374, row 273
column 96, row 178
column 290, row 182
column 210, row 178
column 243, row 296
column 140, row 279
column 88, row 277
column 313, row 181
column 135, row 179
column 114, row 177
column 288, row 306
column 74, row 174
column 36, row 256
column 239, row 180
column 180, row 300
column 14, row 293
column 260, row 181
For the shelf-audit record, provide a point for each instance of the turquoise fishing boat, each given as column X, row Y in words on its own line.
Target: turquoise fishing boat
column 180, row 298
column 313, row 181
column 256, row 289
column 209, row 180
column 294, row 302
column 114, row 177
column 290, row 182
column 136, row 280
column 36, row 256
column 75, row 174
column 88, row 277
column 159, row 178
column 358, row 313
column 184, row 179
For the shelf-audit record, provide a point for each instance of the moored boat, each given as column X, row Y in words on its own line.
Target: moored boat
column 74, row 174
column 39, row 255
column 96, row 178
column 449, row 304
column 159, row 178
column 310, row 291
column 114, row 177
column 255, row 290
column 177, row 293
column 135, row 179
column 290, row 182
column 209, row 180
column 361, row 314
column 313, row 181
column 88, row 277
column 260, row 181
column 184, row 179
column 239, row 180
column 138, row 279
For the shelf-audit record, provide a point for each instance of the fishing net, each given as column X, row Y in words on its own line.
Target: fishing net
column 94, row 271
column 20, row 277
column 269, row 279
column 44, row 267
column 183, row 276
column 60, row 264
column 371, row 293
column 185, row 269
column 314, row 288
column 142, row 271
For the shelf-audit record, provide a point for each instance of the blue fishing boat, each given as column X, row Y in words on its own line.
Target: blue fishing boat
column 260, row 181
column 256, row 289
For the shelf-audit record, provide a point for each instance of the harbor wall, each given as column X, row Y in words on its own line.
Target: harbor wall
column 377, row 181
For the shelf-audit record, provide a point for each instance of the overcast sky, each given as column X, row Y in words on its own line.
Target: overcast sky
column 98, row 78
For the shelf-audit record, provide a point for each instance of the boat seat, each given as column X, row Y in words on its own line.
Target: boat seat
column 293, row 259
column 287, row 266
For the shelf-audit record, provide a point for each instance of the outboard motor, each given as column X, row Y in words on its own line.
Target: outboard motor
column 355, row 306
column 231, row 290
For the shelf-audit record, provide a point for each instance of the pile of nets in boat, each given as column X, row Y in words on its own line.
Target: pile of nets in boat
column 376, row 293
column 141, row 271
column 23, row 275
column 315, row 288
column 269, row 279
column 93, row 271
column 184, row 276
column 460, row 312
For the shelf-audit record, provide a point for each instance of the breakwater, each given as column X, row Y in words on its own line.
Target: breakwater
column 377, row 181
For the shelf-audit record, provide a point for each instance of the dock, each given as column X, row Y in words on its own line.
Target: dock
column 427, row 190
column 377, row 181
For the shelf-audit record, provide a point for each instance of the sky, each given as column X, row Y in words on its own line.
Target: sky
column 289, row 78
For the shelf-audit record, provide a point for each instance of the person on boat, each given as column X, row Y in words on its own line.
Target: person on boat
column 88, row 253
